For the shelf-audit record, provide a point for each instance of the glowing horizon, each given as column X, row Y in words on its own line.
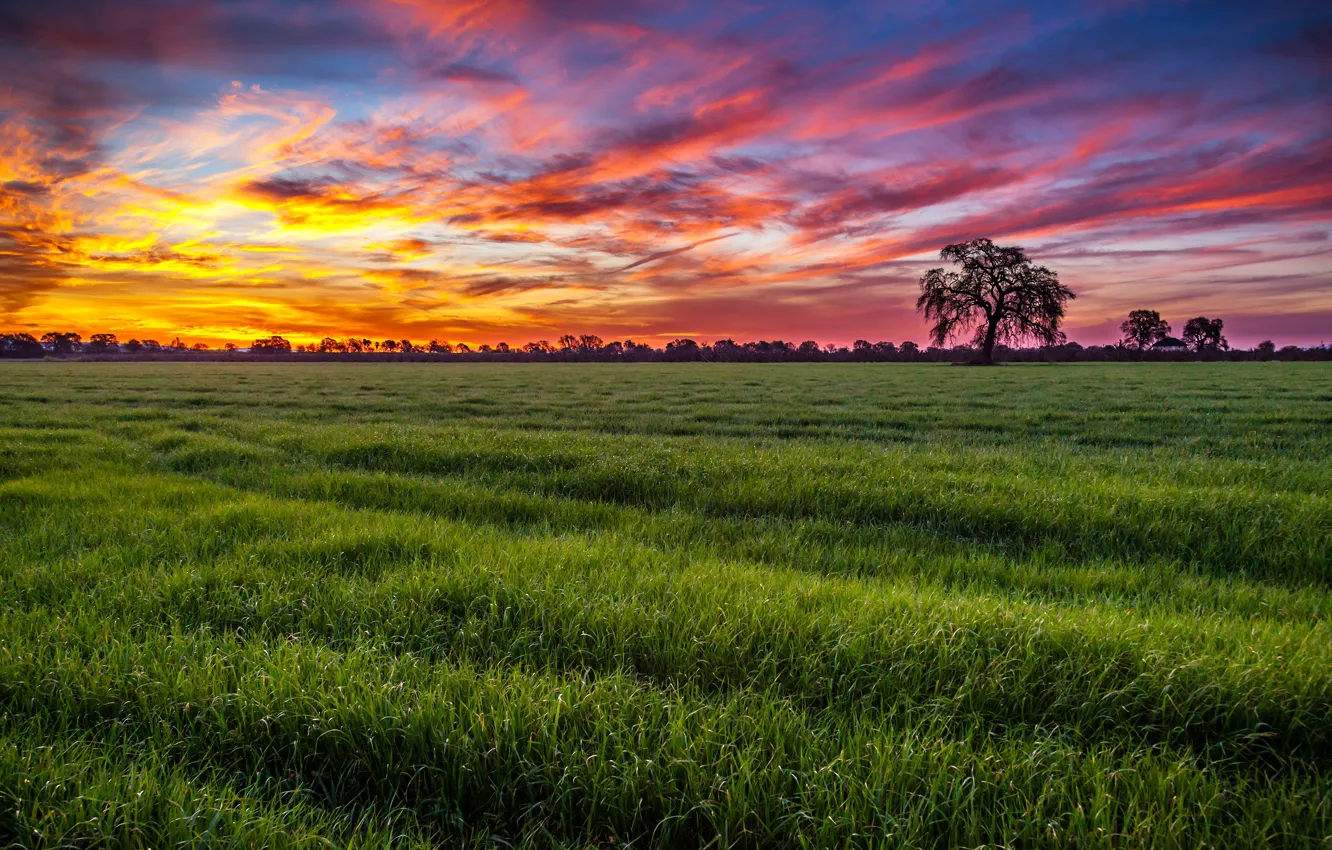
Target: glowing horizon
column 515, row 170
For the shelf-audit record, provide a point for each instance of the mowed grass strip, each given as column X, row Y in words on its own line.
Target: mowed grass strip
column 295, row 621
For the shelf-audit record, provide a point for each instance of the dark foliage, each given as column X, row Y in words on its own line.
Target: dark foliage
column 1144, row 328
column 999, row 295
column 1204, row 334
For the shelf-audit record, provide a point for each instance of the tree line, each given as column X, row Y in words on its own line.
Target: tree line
column 591, row 348
column 995, row 294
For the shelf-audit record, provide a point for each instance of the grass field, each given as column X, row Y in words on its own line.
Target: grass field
column 270, row 605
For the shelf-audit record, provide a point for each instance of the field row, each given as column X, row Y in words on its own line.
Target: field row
column 264, row 630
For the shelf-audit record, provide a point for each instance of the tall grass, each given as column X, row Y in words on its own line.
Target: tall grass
column 732, row 606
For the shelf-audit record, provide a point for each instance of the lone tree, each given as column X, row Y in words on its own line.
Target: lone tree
column 999, row 292
column 1204, row 334
column 1144, row 328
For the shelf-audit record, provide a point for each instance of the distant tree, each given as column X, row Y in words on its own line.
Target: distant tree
column 229, row 346
column 535, row 347
column 568, row 342
column 1266, row 349
column 502, row 347
column 178, row 344
column 133, row 346
column 1204, row 334
column 103, row 342
column 589, row 342
column 389, row 345
column 20, row 344
column 330, row 345
column 1144, row 328
column 462, row 348
column 909, row 348
column 152, row 345
column 273, row 345
column 808, row 348
column 438, row 347
column 615, row 347
column 199, row 346
column 405, row 346
column 484, row 348
column 62, row 343
column 885, row 349
column 999, row 293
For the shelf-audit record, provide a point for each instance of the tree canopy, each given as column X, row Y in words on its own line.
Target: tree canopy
column 999, row 294
column 1144, row 328
column 1204, row 334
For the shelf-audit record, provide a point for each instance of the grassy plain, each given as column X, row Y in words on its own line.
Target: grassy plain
column 266, row 605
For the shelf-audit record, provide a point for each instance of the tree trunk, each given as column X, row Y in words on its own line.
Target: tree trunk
column 987, row 348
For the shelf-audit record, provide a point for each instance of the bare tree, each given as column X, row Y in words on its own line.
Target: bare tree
column 999, row 293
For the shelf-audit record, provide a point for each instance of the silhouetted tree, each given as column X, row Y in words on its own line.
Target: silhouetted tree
column 438, row 347
column 272, row 345
column 999, row 292
column 1204, row 334
column 1266, row 349
column 1144, row 328
column 62, row 343
column 229, row 346
column 589, row 342
column 20, row 344
column 103, row 342
column 462, row 348
column 389, row 345
column 502, row 347
column 151, row 345
column 568, row 342
column 178, row 344
column 199, row 346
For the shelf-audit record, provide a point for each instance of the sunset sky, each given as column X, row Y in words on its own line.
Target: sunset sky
column 513, row 170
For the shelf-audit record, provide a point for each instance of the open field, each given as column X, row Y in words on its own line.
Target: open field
column 270, row 605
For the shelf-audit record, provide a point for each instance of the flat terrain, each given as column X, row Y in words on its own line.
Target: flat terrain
column 271, row 605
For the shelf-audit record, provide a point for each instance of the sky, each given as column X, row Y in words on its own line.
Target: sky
column 650, row 169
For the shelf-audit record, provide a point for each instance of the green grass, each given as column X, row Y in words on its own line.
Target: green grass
column 269, row 605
